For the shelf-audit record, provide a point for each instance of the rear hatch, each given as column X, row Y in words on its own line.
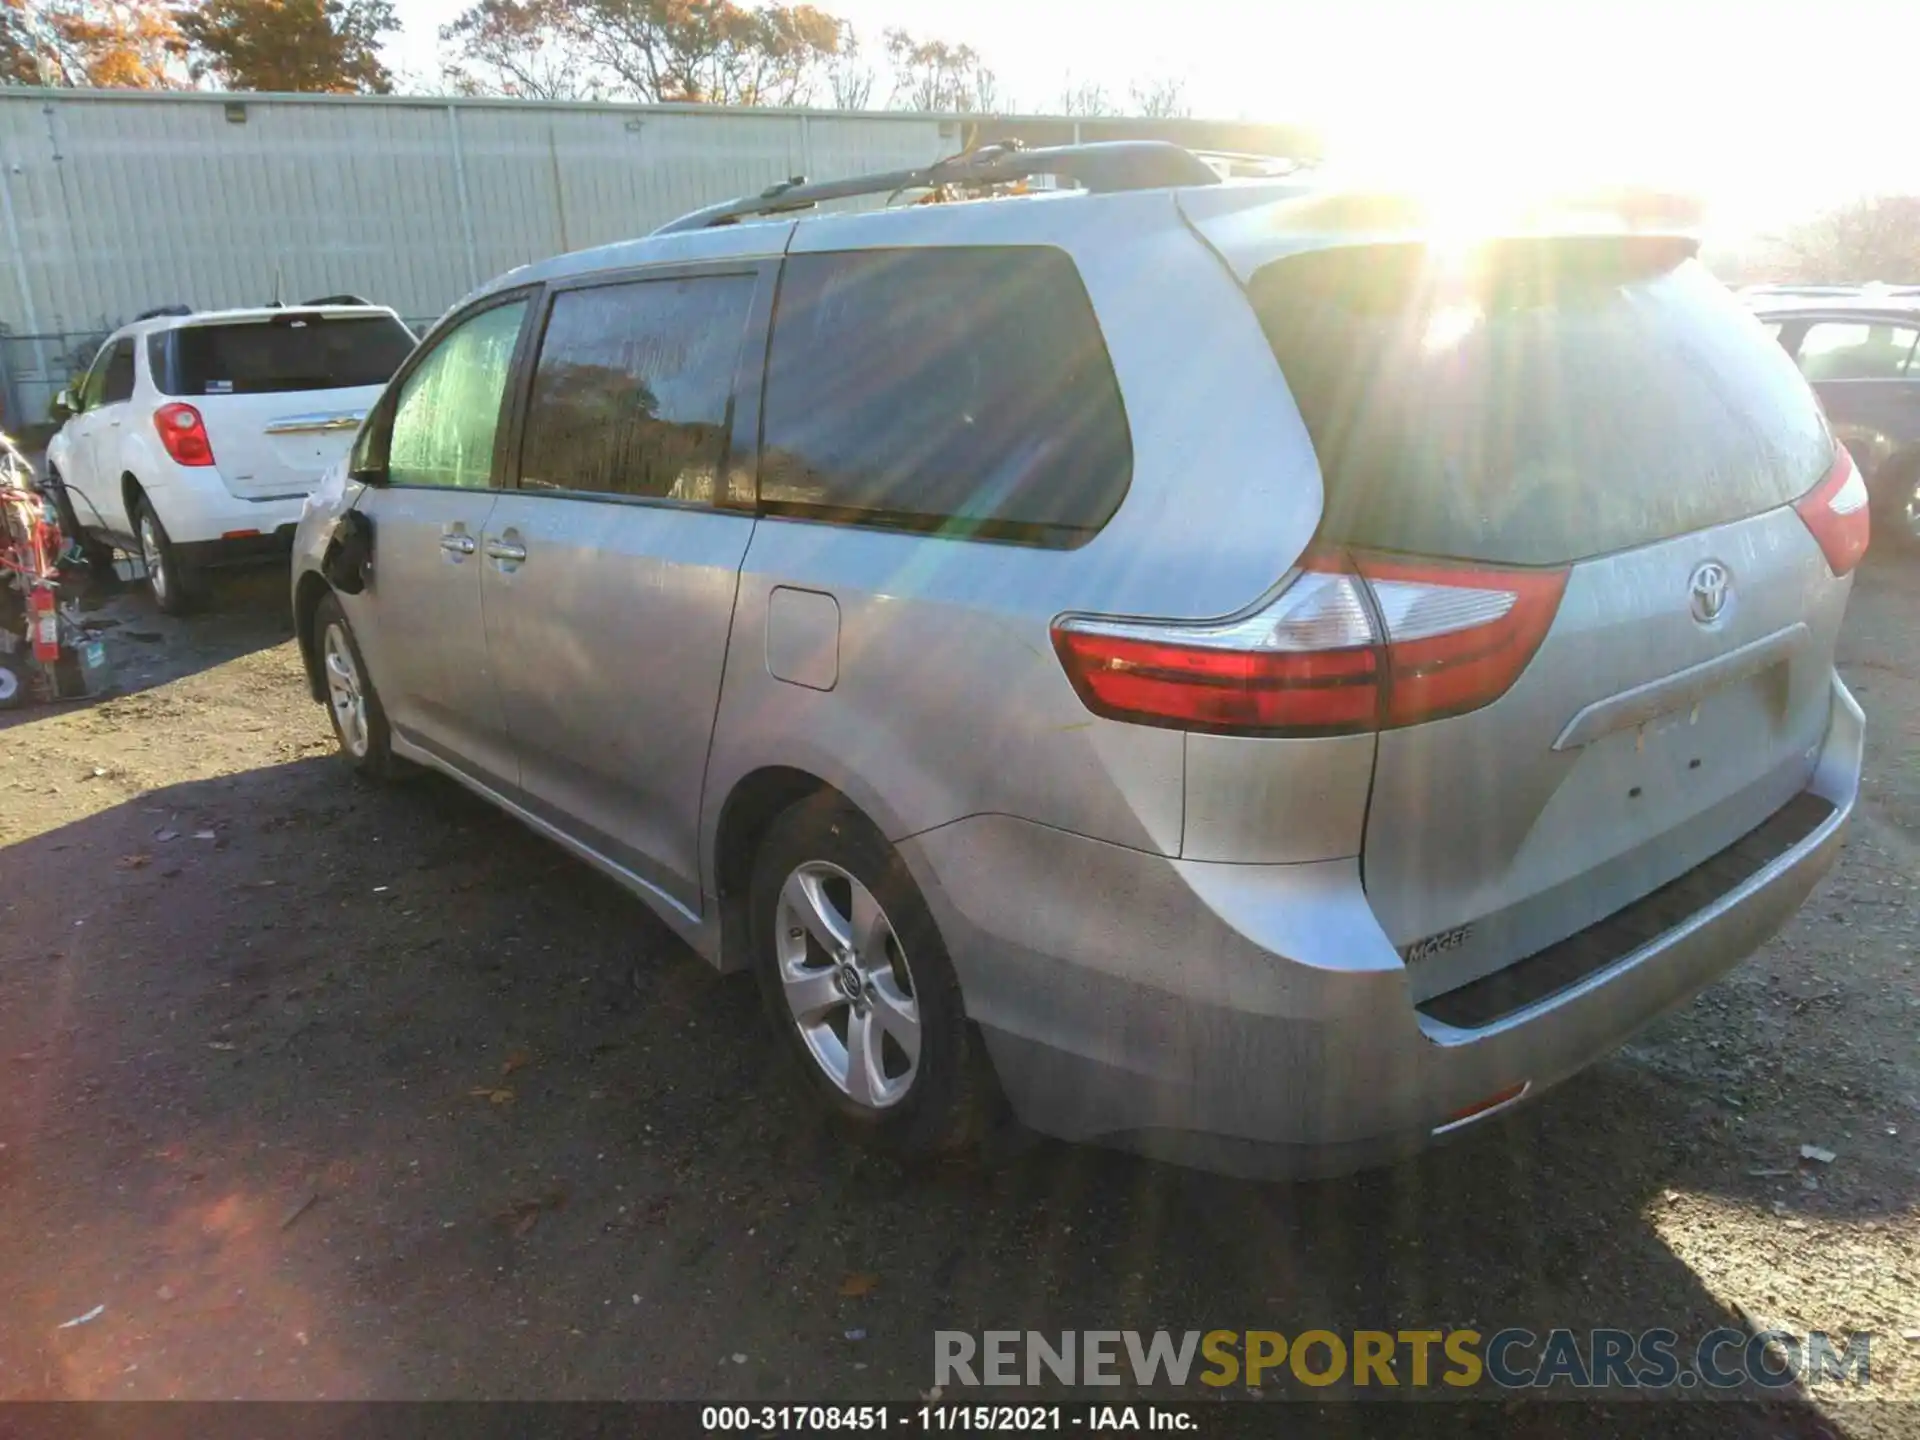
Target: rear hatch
column 1597, row 429
column 281, row 395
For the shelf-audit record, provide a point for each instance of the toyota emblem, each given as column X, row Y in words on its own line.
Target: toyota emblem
column 1710, row 591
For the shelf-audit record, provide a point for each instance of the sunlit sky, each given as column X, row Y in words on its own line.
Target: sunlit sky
column 1768, row 110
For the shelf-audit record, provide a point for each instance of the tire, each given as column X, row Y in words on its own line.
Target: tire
column 1898, row 512
column 174, row 586
column 97, row 553
column 822, row 855
column 16, row 684
column 353, row 705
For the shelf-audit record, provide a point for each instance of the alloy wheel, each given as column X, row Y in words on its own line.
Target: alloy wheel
column 346, row 693
column 848, row 984
column 151, row 554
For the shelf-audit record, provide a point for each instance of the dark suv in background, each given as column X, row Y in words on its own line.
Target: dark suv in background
column 1858, row 347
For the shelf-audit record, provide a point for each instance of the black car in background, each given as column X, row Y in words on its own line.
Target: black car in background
column 1858, row 346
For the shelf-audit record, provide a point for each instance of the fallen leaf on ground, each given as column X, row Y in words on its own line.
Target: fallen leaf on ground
column 220, row 1045
column 165, row 835
column 134, row 862
column 523, row 1215
column 516, row 1060
column 501, row 1096
column 859, row 1283
column 299, row 1208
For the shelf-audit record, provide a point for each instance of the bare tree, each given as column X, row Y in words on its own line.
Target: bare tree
column 711, row 51
column 1085, row 98
column 531, row 49
column 934, row 75
column 850, row 77
column 1161, row 99
column 1875, row 238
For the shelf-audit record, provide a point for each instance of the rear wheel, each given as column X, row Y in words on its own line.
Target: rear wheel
column 171, row 583
column 1902, row 507
column 97, row 553
column 856, row 980
column 353, row 705
column 15, row 684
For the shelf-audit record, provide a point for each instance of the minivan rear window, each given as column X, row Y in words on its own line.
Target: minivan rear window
column 1535, row 402
column 294, row 351
column 960, row 390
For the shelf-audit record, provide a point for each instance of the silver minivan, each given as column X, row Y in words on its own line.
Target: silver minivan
column 1203, row 665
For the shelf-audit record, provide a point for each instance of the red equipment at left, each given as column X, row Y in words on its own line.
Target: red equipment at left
column 30, row 610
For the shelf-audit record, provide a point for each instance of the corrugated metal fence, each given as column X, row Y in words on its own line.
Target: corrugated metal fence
column 114, row 203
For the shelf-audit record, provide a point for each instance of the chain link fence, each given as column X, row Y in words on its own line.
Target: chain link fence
column 34, row 369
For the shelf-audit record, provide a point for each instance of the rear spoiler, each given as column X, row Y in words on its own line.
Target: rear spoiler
column 1254, row 224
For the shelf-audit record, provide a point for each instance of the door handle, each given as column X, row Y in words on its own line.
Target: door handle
column 504, row 550
column 459, row 544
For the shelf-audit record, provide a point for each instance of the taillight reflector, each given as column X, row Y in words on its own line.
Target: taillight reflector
column 1352, row 644
column 1837, row 512
column 184, row 434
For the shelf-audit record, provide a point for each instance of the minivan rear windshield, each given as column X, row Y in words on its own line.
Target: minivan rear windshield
column 287, row 352
column 1535, row 402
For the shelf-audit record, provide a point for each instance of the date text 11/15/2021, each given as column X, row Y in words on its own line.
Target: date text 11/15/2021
column 944, row 1419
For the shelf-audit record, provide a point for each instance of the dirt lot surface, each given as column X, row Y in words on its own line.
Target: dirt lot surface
column 328, row 1090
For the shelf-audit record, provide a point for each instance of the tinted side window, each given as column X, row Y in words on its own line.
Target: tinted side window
column 1856, row 350
column 961, row 390
column 118, row 382
column 632, row 394
column 448, row 409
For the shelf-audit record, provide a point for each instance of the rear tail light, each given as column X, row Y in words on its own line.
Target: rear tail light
column 184, row 434
column 1458, row 636
column 1837, row 512
column 1351, row 644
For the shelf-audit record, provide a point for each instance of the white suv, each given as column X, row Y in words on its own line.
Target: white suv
column 194, row 439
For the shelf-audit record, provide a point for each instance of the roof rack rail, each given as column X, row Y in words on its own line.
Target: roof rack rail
column 337, row 300
column 1106, row 165
column 1238, row 165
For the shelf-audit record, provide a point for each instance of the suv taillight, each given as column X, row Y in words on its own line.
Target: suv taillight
column 1837, row 512
column 184, row 434
column 1352, row 643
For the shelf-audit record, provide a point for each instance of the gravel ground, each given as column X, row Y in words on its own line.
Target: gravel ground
column 329, row 1090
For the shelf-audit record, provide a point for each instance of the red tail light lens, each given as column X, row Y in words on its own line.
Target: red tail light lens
column 1458, row 636
column 1352, row 644
column 184, row 434
column 1837, row 512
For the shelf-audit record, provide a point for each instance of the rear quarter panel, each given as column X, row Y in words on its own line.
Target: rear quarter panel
column 949, row 700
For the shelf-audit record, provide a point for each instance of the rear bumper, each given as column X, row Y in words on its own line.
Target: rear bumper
column 1255, row 1019
column 237, row 549
column 209, row 525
